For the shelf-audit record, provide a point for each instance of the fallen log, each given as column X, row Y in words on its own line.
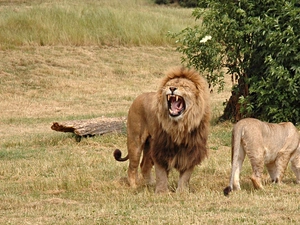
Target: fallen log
column 90, row 127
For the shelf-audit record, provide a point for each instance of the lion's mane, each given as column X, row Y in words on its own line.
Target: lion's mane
column 182, row 143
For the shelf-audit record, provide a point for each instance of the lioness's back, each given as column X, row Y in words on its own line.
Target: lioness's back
column 257, row 127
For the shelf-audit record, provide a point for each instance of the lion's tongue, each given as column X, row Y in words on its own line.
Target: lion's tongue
column 176, row 106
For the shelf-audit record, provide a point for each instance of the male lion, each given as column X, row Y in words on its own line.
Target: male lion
column 265, row 143
column 170, row 127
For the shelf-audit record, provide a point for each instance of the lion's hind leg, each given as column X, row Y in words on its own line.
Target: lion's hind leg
column 134, row 160
column 133, row 173
column 147, row 164
column 146, row 168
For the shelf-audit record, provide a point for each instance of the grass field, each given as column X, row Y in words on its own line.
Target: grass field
column 91, row 22
column 46, row 177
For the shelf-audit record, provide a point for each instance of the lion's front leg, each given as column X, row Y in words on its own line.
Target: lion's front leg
column 161, row 179
column 184, row 179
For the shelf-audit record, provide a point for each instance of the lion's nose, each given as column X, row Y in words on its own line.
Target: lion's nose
column 172, row 89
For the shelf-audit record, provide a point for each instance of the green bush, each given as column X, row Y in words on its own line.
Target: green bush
column 163, row 2
column 258, row 42
column 183, row 3
column 188, row 3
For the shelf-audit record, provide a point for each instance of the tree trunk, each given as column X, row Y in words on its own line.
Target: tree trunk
column 232, row 110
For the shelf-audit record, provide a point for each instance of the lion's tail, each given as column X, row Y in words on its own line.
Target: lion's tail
column 118, row 156
column 236, row 159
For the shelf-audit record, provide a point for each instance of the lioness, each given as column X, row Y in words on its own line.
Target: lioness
column 170, row 128
column 264, row 143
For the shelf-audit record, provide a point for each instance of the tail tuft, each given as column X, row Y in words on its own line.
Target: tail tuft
column 118, row 156
column 227, row 190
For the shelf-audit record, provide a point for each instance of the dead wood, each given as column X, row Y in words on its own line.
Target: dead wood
column 90, row 127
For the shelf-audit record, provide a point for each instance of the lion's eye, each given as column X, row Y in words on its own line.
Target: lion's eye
column 186, row 87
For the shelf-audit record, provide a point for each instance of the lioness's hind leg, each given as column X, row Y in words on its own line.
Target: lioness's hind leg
column 281, row 165
column 238, row 157
column 257, row 164
column 237, row 170
column 271, row 167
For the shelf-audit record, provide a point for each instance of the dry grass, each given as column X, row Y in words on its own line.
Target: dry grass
column 48, row 178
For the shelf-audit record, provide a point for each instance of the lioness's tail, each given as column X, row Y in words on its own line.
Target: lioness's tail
column 118, row 156
column 236, row 159
column 227, row 190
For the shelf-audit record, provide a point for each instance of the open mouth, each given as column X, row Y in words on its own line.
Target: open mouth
column 176, row 105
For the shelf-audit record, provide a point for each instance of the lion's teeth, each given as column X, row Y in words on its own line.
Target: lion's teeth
column 169, row 97
column 176, row 98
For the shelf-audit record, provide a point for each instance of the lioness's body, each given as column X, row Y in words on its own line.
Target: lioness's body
column 270, row 144
column 169, row 128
